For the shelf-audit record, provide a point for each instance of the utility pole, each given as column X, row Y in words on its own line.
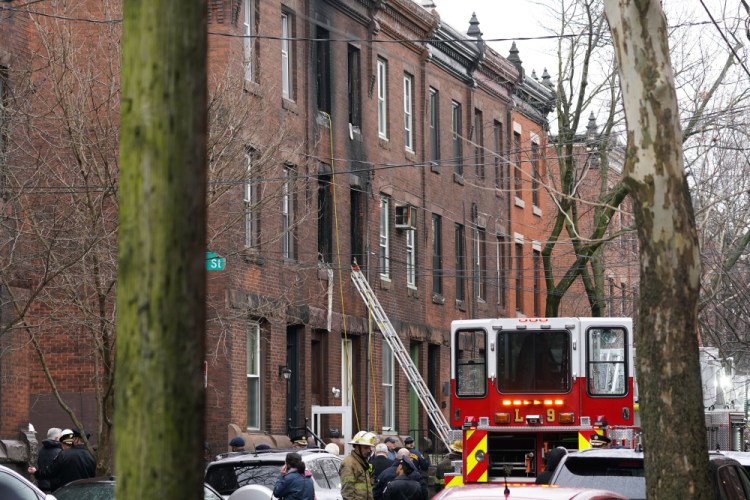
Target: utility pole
column 161, row 287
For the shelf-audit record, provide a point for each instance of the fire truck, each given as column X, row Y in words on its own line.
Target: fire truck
column 523, row 386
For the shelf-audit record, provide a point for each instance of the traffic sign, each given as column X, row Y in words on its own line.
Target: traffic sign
column 214, row 262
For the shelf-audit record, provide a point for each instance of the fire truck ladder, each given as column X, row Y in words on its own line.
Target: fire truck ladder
column 437, row 418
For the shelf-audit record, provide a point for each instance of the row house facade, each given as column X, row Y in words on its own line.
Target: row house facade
column 340, row 131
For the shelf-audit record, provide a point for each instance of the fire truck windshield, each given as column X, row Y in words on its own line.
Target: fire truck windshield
column 533, row 361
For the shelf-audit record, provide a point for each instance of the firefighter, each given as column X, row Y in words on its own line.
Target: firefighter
column 356, row 471
column 446, row 466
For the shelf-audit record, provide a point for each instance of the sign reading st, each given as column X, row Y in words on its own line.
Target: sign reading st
column 214, row 262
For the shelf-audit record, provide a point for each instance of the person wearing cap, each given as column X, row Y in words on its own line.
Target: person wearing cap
column 391, row 442
column 51, row 447
column 355, row 470
column 422, row 462
column 390, row 473
column 299, row 442
column 551, row 460
column 403, row 486
column 446, row 465
column 294, row 483
column 237, row 444
column 599, row 441
column 72, row 463
column 380, row 460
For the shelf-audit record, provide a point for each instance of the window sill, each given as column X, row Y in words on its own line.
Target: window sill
column 458, row 178
column 412, row 291
column 498, row 193
column 252, row 256
column 434, row 167
column 385, row 283
column 461, row 305
column 536, row 210
column 252, row 87
column 520, row 203
column 384, row 143
column 437, row 298
column 290, row 106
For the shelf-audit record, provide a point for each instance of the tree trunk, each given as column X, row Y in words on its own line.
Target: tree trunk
column 160, row 400
column 668, row 370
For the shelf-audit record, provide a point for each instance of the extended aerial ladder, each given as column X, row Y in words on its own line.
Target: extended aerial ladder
column 437, row 418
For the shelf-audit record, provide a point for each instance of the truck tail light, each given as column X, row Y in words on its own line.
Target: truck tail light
column 567, row 418
column 502, row 418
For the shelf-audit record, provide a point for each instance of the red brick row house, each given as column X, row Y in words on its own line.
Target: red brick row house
column 340, row 131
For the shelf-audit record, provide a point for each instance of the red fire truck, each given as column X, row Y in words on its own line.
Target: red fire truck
column 523, row 386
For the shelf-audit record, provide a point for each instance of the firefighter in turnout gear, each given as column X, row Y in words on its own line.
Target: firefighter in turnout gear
column 445, row 465
column 356, row 471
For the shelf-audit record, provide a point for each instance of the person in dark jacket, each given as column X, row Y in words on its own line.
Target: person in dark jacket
column 390, row 474
column 403, row 487
column 47, row 454
column 380, row 460
column 73, row 462
column 551, row 461
column 295, row 482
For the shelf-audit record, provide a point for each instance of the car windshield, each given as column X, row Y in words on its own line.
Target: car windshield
column 86, row 491
column 622, row 475
column 227, row 477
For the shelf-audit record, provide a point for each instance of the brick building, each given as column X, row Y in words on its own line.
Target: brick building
column 339, row 130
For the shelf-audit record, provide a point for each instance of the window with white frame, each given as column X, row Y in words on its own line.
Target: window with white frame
column 286, row 68
column 287, row 215
column 251, row 202
column 382, row 98
column 385, row 264
column 253, row 376
column 408, row 115
column 247, row 41
column 389, row 395
column 411, row 258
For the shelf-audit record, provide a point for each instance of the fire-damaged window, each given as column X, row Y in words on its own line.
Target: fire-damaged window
column 325, row 218
column 606, row 367
column 537, row 361
column 471, row 363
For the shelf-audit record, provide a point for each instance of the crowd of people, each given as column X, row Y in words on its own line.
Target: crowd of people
column 63, row 458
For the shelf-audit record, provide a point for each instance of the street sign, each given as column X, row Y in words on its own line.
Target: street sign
column 214, row 262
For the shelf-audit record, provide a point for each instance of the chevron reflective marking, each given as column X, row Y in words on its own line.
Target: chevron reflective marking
column 475, row 471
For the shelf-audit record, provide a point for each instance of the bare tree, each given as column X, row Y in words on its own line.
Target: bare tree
column 668, row 369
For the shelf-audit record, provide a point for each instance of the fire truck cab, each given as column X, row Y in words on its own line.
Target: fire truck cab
column 523, row 386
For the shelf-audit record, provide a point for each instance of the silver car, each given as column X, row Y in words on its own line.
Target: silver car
column 257, row 472
column 13, row 486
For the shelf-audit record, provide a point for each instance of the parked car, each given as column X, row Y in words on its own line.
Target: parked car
column 622, row 470
column 13, row 486
column 523, row 491
column 262, row 468
column 103, row 488
column 743, row 457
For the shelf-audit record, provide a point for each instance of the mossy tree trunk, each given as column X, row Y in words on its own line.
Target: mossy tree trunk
column 159, row 403
column 668, row 370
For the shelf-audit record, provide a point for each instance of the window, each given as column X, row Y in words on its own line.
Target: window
column 385, row 264
column 286, row 57
column 606, row 368
column 389, row 394
column 382, row 98
column 251, row 202
column 460, row 257
column 456, row 131
column 253, row 376
column 437, row 254
column 471, row 363
column 411, row 258
column 537, row 256
column 325, row 218
column 357, row 225
column 479, row 144
column 535, row 174
column 497, row 132
column 519, row 277
column 408, row 117
column 502, row 266
column 287, row 215
column 247, row 41
column 517, row 163
column 323, row 69
column 434, row 126
column 481, row 264
column 354, row 87
column 533, row 361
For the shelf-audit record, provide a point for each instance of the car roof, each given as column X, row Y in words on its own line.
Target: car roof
column 272, row 456
column 743, row 457
column 523, row 491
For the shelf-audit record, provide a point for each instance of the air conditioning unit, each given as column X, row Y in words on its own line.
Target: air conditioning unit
column 406, row 217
